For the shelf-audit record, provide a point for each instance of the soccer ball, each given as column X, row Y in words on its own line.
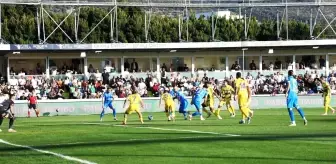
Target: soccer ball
column 150, row 117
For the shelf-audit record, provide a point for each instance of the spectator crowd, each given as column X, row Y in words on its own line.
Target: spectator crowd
column 71, row 87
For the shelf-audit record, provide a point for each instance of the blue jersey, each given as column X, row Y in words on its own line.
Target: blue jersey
column 172, row 93
column 108, row 97
column 293, row 87
column 181, row 97
column 199, row 95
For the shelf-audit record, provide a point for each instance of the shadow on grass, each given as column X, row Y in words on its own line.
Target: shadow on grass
column 202, row 139
column 150, row 156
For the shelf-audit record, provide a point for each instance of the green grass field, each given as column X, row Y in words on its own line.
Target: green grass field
column 268, row 139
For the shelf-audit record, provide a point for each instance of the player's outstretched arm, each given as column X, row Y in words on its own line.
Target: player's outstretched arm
column 287, row 89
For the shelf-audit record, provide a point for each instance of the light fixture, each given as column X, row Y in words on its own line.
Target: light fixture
column 316, row 47
column 173, row 50
column 16, row 52
column 244, row 49
column 97, row 52
column 270, row 51
column 83, row 54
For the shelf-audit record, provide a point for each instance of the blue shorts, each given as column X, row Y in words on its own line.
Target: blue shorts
column 183, row 107
column 108, row 105
column 292, row 102
column 198, row 105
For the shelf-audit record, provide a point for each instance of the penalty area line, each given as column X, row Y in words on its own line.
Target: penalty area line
column 166, row 129
column 48, row 152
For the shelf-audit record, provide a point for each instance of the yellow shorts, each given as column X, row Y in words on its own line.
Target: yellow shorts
column 327, row 101
column 224, row 101
column 243, row 101
column 131, row 109
column 169, row 107
column 210, row 103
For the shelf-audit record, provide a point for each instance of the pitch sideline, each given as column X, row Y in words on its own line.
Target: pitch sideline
column 49, row 152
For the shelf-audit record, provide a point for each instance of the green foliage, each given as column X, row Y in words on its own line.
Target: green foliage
column 20, row 27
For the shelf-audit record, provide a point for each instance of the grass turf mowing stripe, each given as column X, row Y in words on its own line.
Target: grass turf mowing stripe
column 165, row 129
column 48, row 152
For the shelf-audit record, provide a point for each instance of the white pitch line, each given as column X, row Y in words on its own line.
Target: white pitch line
column 166, row 129
column 48, row 152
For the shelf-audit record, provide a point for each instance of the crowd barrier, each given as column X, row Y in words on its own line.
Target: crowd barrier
column 94, row 106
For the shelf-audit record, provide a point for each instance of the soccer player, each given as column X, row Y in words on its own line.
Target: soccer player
column 243, row 93
column 226, row 96
column 32, row 102
column 183, row 102
column 210, row 100
column 199, row 94
column 134, row 101
column 292, row 99
column 107, row 100
column 327, row 96
column 169, row 104
column 6, row 111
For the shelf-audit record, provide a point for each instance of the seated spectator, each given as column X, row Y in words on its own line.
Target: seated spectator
column 91, row 69
column 322, row 62
column 277, row 64
column 185, row 68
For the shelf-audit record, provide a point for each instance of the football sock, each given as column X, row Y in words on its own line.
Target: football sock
column 28, row 113
column 291, row 114
column 229, row 109
column 185, row 114
column 125, row 118
column 11, row 122
column 1, row 120
column 326, row 109
column 102, row 114
column 114, row 113
column 301, row 113
column 217, row 112
column 167, row 114
column 197, row 113
column 232, row 110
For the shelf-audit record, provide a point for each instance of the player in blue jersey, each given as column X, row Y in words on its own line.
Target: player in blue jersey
column 107, row 103
column 292, row 99
column 199, row 94
column 183, row 102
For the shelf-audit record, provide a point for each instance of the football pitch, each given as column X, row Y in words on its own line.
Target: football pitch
column 83, row 139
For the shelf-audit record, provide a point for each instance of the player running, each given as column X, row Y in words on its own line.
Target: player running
column 199, row 94
column 6, row 111
column 134, row 101
column 210, row 101
column 327, row 96
column 243, row 93
column 292, row 99
column 183, row 102
column 226, row 96
column 169, row 104
column 32, row 104
column 107, row 100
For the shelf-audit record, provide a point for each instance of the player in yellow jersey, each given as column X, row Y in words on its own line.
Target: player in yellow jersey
column 243, row 95
column 226, row 95
column 134, row 105
column 169, row 104
column 210, row 101
column 327, row 96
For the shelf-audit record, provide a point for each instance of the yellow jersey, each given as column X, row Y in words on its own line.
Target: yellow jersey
column 167, row 98
column 241, row 86
column 326, row 89
column 134, row 99
column 226, row 92
column 210, row 93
